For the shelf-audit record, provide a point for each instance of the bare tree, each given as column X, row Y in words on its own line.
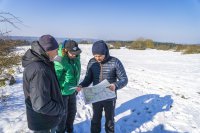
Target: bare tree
column 6, row 17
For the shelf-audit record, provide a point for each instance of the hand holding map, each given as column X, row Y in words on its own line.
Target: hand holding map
column 98, row 92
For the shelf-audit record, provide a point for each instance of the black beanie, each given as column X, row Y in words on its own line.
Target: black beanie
column 48, row 42
column 99, row 47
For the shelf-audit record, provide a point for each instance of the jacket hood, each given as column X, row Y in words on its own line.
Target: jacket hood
column 100, row 47
column 36, row 53
column 107, row 56
column 107, row 52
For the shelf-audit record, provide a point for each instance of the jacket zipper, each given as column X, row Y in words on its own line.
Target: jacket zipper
column 101, row 73
column 73, row 68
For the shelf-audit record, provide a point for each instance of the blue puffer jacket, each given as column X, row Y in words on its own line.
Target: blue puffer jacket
column 111, row 69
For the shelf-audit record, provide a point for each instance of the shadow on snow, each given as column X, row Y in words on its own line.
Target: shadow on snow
column 137, row 112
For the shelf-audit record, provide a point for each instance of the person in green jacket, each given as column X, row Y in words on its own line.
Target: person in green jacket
column 68, row 67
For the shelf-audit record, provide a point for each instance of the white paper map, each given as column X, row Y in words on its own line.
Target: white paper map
column 98, row 92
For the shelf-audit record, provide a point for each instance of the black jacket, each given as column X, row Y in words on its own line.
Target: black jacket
column 111, row 69
column 44, row 105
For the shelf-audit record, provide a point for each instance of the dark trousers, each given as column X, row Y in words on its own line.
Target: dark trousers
column 45, row 131
column 109, row 108
column 67, row 120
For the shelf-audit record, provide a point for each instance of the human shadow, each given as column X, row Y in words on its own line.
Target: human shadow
column 159, row 129
column 134, row 113
column 140, row 110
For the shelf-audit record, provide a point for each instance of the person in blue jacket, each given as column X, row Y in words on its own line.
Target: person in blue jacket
column 103, row 66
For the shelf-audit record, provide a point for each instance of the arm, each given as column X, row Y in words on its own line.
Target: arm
column 40, row 95
column 88, row 77
column 121, row 75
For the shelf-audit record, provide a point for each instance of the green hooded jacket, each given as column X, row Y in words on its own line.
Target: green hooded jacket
column 68, row 72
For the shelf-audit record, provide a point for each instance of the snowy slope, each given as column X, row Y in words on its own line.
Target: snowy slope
column 162, row 95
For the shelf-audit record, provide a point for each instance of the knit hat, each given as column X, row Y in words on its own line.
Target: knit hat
column 99, row 47
column 72, row 47
column 48, row 42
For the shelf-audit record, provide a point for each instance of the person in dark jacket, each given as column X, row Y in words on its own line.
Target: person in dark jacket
column 103, row 66
column 68, row 70
column 44, row 104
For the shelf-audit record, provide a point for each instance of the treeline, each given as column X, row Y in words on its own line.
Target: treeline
column 86, row 41
column 142, row 44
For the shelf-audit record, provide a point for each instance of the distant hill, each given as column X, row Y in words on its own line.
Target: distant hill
column 27, row 38
column 59, row 39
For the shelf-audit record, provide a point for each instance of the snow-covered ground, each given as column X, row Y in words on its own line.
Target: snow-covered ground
column 162, row 95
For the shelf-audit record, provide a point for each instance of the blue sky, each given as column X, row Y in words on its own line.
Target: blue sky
column 161, row 20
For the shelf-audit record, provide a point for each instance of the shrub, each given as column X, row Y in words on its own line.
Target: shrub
column 192, row 50
column 2, row 83
column 7, row 62
column 11, row 71
column 6, row 46
column 149, row 43
column 180, row 48
column 115, row 45
column 138, row 45
column 163, row 47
